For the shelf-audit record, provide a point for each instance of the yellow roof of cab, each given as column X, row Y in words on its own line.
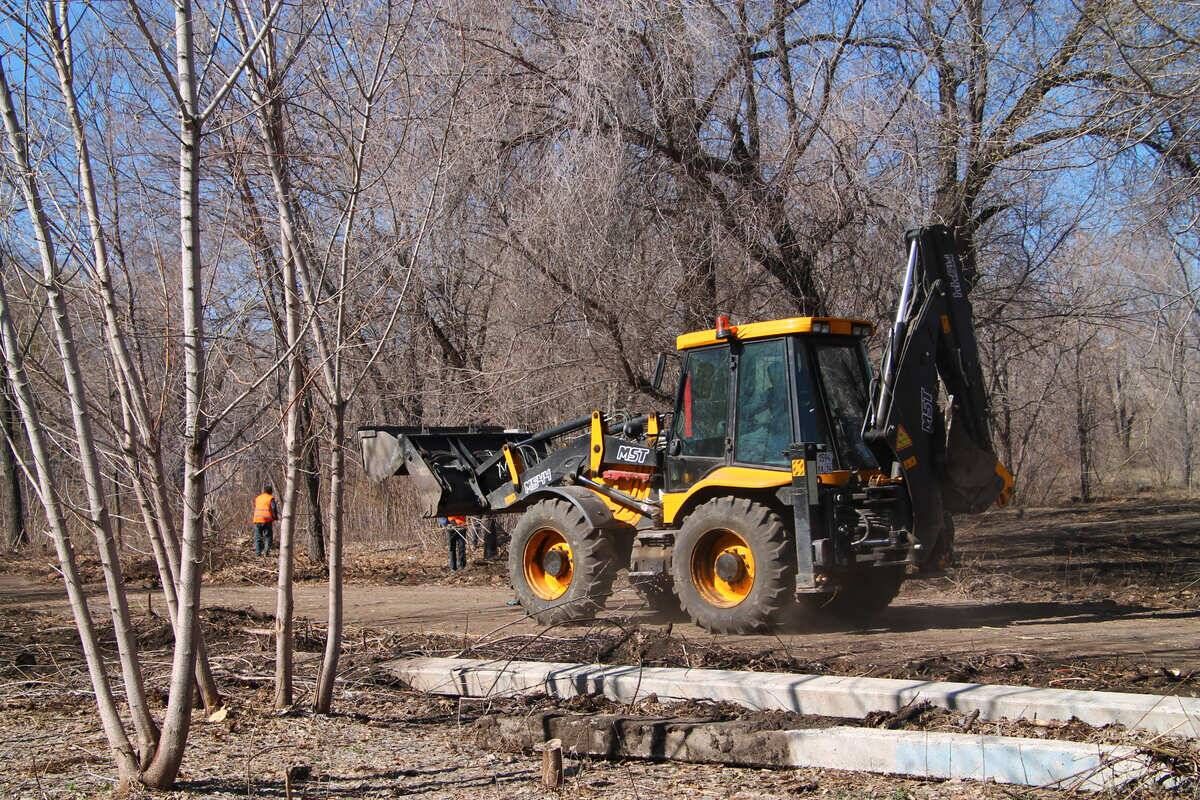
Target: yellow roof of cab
column 775, row 327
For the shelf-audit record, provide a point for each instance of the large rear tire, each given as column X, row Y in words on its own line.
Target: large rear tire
column 560, row 566
column 861, row 596
column 734, row 567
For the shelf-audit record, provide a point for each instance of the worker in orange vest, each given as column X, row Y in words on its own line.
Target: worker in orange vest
column 456, row 537
column 266, row 511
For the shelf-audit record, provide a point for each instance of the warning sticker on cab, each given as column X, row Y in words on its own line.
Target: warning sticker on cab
column 903, row 440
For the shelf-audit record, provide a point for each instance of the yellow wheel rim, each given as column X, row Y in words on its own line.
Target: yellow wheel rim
column 728, row 591
column 545, row 584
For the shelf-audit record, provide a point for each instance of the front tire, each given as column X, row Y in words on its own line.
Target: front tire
column 734, row 567
column 561, row 568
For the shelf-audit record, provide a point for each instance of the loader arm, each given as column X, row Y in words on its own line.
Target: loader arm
column 945, row 453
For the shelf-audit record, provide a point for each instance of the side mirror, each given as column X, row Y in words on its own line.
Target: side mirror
column 660, row 367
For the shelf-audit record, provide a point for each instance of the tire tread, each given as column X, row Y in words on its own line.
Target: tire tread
column 594, row 563
column 773, row 595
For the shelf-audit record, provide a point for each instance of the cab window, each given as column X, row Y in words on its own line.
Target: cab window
column 764, row 420
column 847, row 394
column 809, row 429
column 702, row 422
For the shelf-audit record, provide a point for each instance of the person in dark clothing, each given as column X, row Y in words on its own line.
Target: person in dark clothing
column 456, row 538
column 266, row 511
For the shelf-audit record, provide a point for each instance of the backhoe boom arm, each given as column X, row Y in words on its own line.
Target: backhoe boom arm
column 945, row 455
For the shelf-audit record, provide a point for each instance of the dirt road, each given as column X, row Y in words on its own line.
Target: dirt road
column 1118, row 582
column 913, row 628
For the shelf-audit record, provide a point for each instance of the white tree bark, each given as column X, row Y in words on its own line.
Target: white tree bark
column 183, row 81
column 297, row 266
column 110, row 719
column 101, row 522
column 136, row 409
column 284, row 606
column 167, row 760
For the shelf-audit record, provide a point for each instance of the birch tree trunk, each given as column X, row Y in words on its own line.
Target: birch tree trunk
column 110, row 718
column 164, row 540
column 287, row 529
column 93, row 479
column 295, row 256
column 333, row 637
column 167, row 759
column 313, row 290
column 164, row 543
column 270, row 114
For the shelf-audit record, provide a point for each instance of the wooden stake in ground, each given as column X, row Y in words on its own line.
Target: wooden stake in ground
column 552, row 772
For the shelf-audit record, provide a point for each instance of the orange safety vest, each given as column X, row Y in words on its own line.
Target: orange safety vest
column 262, row 509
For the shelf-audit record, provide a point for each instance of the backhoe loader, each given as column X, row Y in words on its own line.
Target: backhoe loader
column 785, row 477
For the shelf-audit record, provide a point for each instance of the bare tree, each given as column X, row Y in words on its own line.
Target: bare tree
column 131, row 386
column 10, row 473
column 159, row 755
column 147, row 731
column 183, row 83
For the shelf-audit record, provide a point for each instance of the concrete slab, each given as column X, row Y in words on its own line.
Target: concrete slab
column 1042, row 763
column 824, row 695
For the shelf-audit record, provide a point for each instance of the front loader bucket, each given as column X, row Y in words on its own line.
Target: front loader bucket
column 452, row 469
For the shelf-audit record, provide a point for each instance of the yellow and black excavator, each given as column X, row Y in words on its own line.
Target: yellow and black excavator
column 786, row 475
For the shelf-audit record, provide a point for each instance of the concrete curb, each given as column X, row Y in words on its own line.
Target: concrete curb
column 823, row 695
column 1045, row 763
column 1042, row 763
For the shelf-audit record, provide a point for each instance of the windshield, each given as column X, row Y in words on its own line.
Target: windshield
column 846, row 387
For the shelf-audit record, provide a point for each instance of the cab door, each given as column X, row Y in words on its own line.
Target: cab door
column 700, row 430
column 763, row 428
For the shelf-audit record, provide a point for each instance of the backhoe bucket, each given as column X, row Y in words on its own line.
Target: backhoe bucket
column 973, row 477
column 453, row 469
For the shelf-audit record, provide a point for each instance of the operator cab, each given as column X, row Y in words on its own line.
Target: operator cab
column 747, row 393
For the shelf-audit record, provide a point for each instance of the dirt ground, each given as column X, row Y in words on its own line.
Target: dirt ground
column 1101, row 597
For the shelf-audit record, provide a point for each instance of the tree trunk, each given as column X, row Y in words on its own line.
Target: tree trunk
column 164, row 539
column 312, row 483
column 165, row 767
column 1123, row 415
column 1083, row 428
column 164, row 543
column 89, row 463
column 287, row 528
column 1004, row 385
column 275, row 149
column 10, row 470
column 110, row 718
column 333, row 637
column 1179, row 382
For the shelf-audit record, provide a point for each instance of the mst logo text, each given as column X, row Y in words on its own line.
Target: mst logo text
column 632, row 455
